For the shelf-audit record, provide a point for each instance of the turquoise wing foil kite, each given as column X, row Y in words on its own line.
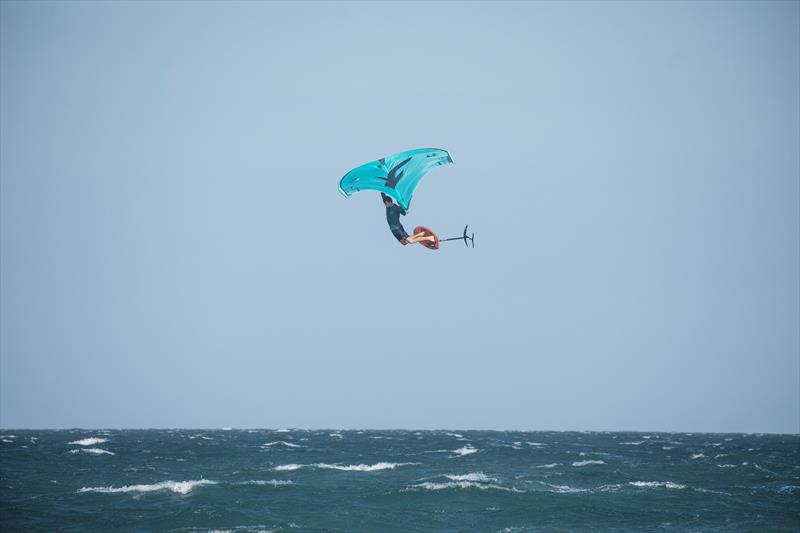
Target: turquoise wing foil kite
column 396, row 175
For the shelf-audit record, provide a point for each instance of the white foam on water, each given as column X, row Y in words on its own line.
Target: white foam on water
column 537, row 444
column 768, row 471
column 789, row 489
column 227, row 429
column 656, row 485
column 478, row 477
column 282, row 443
column 97, row 451
column 461, row 485
column 273, row 482
column 697, row 456
column 551, row 465
column 614, row 487
column 563, row 489
column 361, row 468
column 667, row 447
column 635, row 443
column 589, row 462
column 89, row 442
column 289, row 467
column 179, row 487
column 336, row 435
column 727, row 466
column 466, row 450
column 8, row 441
column 283, row 431
column 456, row 435
column 347, row 468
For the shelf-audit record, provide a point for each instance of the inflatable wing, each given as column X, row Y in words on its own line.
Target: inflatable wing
column 396, row 175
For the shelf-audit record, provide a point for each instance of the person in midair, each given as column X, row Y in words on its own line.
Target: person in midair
column 393, row 212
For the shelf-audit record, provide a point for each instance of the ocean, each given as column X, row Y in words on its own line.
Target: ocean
column 296, row 480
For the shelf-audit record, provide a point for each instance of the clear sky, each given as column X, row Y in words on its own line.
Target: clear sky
column 175, row 251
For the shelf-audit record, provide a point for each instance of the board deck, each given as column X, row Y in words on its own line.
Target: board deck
column 427, row 231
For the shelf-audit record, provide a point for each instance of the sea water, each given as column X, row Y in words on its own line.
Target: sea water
column 337, row 480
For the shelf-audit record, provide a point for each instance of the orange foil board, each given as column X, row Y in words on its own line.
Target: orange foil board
column 427, row 231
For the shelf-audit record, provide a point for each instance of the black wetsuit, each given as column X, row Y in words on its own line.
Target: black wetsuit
column 393, row 213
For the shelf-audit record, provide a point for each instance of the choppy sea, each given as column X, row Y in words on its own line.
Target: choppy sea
column 336, row 480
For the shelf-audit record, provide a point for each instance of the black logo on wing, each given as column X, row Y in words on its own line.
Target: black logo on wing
column 396, row 174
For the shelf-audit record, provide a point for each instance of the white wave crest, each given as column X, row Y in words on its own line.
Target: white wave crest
column 462, row 485
column 634, row 443
column 767, row 470
column 282, row 443
column 180, row 487
column 97, row 451
column 697, row 456
column 361, row 468
column 727, row 465
column 7, row 441
column 288, row 467
column 564, row 489
column 89, row 442
column 466, row 450
column 656, row 484
column 537, row 444
column 589, row 462
column 551, row 465
column 273, row 482
column 347, row 468
column 336, row 435
column 478, row 477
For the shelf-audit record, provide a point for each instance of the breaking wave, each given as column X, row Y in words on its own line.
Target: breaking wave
column 179, row 487
column 466, row 450
column 348, row 468
column 89, row 442
column 589, row 462
column 273, row 482
column 461, row 485
column 479, row 477
column 656, row 485
column 282, row 443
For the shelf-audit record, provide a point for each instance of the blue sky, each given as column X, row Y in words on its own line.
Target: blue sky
column 174, row 250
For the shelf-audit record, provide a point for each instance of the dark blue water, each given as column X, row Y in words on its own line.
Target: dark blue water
column 299, row 480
